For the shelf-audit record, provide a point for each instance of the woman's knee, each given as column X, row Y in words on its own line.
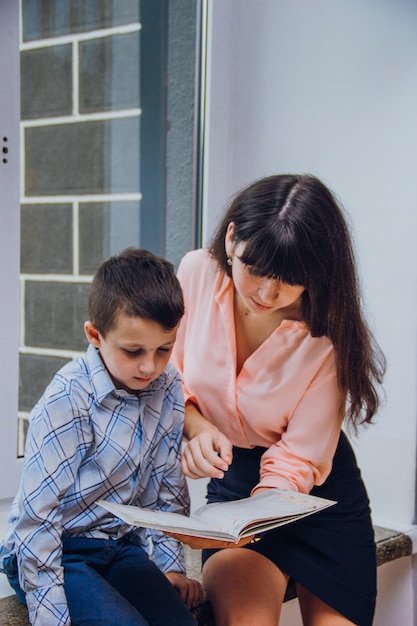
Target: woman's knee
column 244, row 587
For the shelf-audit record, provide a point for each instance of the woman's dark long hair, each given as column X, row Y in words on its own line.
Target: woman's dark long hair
column 294, row 230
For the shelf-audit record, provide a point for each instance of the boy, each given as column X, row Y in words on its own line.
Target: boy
column 109, row 426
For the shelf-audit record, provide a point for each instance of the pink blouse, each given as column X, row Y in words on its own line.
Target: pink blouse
column 285, row 398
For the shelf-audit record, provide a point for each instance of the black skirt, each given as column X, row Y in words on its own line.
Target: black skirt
column 331, row 553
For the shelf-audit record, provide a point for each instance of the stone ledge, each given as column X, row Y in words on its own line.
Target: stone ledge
column 391, row 545
column 12, row 612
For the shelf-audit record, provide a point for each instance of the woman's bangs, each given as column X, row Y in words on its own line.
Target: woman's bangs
column 278, row 259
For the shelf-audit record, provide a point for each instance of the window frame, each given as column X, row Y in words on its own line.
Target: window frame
column 10, row 182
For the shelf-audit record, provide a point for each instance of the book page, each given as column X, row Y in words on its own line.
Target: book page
column 165, row 521
column 225, row 520
column 274, row 504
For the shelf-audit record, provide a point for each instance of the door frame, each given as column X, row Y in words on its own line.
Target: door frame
column 10, row 465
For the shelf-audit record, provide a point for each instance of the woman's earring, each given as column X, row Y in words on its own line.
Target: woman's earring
column 229, row 260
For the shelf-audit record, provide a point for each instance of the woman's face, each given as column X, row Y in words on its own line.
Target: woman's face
column 259, row 294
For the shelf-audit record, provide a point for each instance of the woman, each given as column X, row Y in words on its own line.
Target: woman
column 275, row 355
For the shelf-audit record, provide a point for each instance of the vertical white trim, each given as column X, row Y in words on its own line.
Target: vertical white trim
column 22, row 283
column 75, row 237
column 9, row 244
column 75, row 79
column 205, row 131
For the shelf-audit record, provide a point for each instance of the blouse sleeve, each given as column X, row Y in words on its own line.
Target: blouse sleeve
column 177, row 358
column 302, row 457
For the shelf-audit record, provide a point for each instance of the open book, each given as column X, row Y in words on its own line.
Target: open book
column 226, row 521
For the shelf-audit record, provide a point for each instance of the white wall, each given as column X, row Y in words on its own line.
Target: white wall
column 331, row 88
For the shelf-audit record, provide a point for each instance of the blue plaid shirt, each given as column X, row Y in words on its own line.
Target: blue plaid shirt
column 88, row 440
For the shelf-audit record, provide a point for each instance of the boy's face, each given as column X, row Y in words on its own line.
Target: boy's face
column 135, row 351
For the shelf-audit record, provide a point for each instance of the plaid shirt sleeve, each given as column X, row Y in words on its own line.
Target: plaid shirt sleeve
column 54, row 450
column 172, row 492
column 49, row 608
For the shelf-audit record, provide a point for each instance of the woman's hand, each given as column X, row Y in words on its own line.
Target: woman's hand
column 207, row 455
column 200, row 543
column 208, row 452
column 190, row 590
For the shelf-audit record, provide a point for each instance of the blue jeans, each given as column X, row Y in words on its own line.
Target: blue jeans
column 109, row 583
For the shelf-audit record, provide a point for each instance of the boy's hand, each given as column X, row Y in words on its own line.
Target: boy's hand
column 190, row 590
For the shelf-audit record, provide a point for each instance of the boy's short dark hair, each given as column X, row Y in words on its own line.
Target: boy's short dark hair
column 138, row 284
